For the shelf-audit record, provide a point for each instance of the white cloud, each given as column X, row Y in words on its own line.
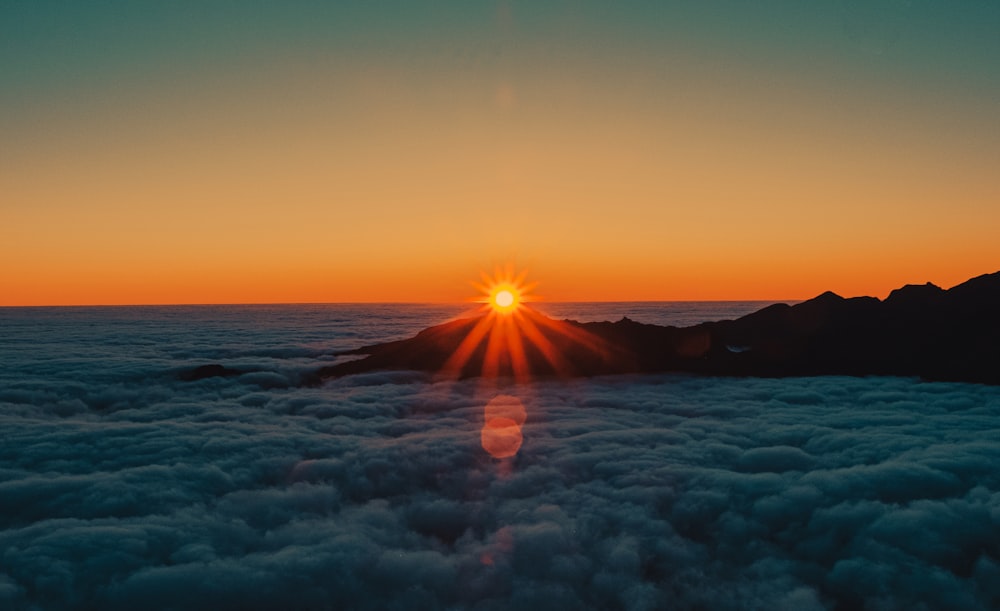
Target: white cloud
column 374, row 492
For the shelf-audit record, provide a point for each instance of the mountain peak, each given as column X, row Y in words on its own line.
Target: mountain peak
column 915, row 293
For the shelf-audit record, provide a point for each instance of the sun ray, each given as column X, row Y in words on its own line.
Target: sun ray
column 545, row 347
column 515, row 348
column 494, row 350
column 573, row 334
column 456, row 362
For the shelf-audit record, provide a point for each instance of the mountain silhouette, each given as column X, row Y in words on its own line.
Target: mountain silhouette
column 918, row 330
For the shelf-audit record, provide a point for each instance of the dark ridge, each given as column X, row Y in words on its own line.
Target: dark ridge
column 919, row 330
column 914, row 294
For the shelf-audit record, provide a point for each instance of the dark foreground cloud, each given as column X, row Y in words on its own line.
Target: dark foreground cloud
column 374, row 493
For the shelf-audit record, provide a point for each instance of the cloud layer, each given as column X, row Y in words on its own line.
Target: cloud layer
column 374, row 492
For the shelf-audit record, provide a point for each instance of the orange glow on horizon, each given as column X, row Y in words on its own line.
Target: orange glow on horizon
column 89, row 280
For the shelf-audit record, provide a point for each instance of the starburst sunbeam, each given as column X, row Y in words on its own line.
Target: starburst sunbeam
column 512, row 340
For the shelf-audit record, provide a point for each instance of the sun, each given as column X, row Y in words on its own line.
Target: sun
column 505, row 291
column 505, row 299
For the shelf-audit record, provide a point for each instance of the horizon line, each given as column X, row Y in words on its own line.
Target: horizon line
column 420, row 303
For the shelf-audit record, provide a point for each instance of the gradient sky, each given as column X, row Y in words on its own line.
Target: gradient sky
column 197, row 152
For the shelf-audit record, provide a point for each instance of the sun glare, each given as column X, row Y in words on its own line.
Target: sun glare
column 504, row 291
column 510, row 339
column 504, row 300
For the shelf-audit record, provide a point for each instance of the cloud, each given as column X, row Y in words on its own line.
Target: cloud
column 374, row 492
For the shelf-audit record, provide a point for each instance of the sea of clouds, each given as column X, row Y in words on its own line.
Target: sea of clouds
column 132, row 489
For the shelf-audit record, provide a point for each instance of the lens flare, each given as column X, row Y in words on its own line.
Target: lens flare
column 501, row 435
column 506, row 406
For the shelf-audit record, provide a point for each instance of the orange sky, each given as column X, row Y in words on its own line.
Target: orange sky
column 687, row 169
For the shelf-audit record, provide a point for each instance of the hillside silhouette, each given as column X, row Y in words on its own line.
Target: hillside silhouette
column 918, row 330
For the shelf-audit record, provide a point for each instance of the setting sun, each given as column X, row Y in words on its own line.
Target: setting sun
column 504, row 300
column 504, row 291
